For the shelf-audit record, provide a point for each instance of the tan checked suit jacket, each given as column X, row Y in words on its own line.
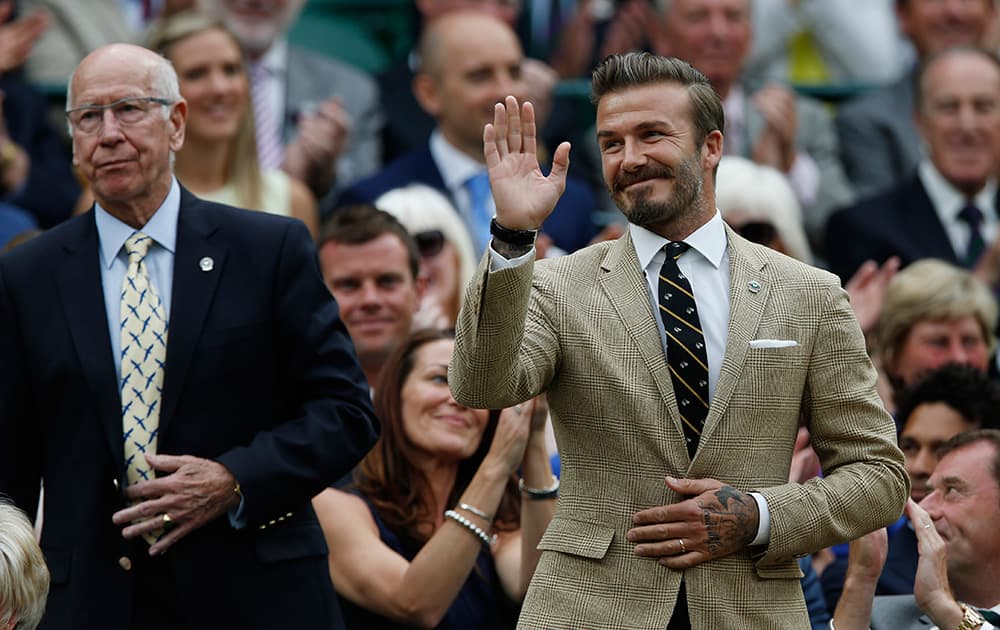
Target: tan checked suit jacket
column 581, row 328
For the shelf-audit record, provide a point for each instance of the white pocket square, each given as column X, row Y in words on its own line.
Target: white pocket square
column 773, row 343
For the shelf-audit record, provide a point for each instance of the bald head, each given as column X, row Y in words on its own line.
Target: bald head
column 458, row 32
column 470, row 61
column 115, row 59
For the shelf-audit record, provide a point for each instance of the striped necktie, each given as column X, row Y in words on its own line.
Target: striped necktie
column 687, row 356
column 143, row 351
column 270, row 150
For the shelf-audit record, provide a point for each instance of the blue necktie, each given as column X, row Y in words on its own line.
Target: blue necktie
column 480, row 216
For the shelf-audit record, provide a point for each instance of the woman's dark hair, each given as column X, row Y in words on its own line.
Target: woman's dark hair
column 386, row 476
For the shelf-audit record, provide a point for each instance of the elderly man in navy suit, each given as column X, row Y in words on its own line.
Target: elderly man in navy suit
column 948, row 208
column 178, row 377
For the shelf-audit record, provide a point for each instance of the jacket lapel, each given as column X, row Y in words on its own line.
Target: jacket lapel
column 198, row 264
column 82, row 297
column 625, row 286
column 749, row 288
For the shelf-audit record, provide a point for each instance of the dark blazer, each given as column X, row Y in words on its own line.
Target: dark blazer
column 260, row 376
column 571, row 224
column 901, row 222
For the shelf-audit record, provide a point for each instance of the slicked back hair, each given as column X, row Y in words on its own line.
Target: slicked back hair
column 637, row 69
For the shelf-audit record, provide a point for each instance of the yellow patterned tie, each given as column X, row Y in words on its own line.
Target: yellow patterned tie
column 143, row 350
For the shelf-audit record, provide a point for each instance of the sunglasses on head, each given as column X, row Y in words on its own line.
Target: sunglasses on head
column 758, row 232
column 429, row 243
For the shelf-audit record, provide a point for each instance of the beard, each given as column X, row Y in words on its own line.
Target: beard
column 639, row 208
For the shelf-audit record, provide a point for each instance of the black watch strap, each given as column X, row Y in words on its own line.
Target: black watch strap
column 523, row 238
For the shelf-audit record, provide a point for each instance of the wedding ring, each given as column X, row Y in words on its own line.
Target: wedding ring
column 927, row 526
column 167, row 520
column 683, row 548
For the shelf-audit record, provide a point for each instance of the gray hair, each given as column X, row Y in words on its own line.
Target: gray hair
column 164, row 85
column 24, row 578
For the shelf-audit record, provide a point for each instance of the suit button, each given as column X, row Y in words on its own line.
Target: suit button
column 125, row 563
column 115, row 482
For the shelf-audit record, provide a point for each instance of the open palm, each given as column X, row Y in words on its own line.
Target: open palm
column 524, row 197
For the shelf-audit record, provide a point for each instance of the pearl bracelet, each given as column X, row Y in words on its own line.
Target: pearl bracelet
column 539, row 494
column 486, row 539
column 471, row 509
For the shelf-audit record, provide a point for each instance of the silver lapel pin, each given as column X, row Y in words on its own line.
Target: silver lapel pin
column 754, row 286
column 206, row 263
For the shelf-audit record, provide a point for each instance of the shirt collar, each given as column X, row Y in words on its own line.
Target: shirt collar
column 275, row 59
column 456, row 167
column 161, row 227
column 709, row 240
column 947, row 200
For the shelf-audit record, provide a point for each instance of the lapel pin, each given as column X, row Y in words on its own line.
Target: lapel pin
column 754, row 286
column 206, row 263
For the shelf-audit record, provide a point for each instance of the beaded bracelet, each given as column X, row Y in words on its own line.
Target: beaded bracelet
column 472, row 527
column 539, row 494
column 471, row 509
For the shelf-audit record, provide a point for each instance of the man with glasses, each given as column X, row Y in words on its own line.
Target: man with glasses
column 371, row 265
column 177, row 376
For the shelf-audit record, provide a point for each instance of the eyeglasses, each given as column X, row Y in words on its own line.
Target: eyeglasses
column 760, row 232
column 429, row 243
column 131, row 110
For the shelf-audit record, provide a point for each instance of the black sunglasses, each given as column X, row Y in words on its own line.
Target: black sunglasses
column 429, row 243
column 758, row 232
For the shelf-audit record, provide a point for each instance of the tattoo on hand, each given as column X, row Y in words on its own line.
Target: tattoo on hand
column 727, row 521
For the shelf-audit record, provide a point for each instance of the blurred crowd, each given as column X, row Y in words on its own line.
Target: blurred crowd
column 861, row 137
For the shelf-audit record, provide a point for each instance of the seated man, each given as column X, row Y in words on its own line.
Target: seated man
column 947, row 208
column 370, row 263
column 956, row 529
column 469, row 62
column 879, row 142
column 949, row 401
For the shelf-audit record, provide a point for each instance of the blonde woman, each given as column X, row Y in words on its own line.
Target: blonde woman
column 218, row 161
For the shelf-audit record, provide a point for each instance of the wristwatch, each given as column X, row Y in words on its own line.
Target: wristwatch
column 521, row 238
column 971, row 619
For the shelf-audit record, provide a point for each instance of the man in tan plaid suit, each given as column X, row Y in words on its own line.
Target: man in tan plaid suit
column 713, row 545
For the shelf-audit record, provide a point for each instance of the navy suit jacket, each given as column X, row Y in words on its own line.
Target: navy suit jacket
column 571, row 224
column 260, row 376
column 901, row 222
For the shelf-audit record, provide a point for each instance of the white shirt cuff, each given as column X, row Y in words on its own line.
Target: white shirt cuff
column 763, row 522
column 498, row 262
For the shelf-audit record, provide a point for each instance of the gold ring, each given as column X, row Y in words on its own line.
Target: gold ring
column 167, row 520
column 683, row 548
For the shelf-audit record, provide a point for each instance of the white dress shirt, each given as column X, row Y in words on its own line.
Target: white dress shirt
column 948, row 201
column 706, row 265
